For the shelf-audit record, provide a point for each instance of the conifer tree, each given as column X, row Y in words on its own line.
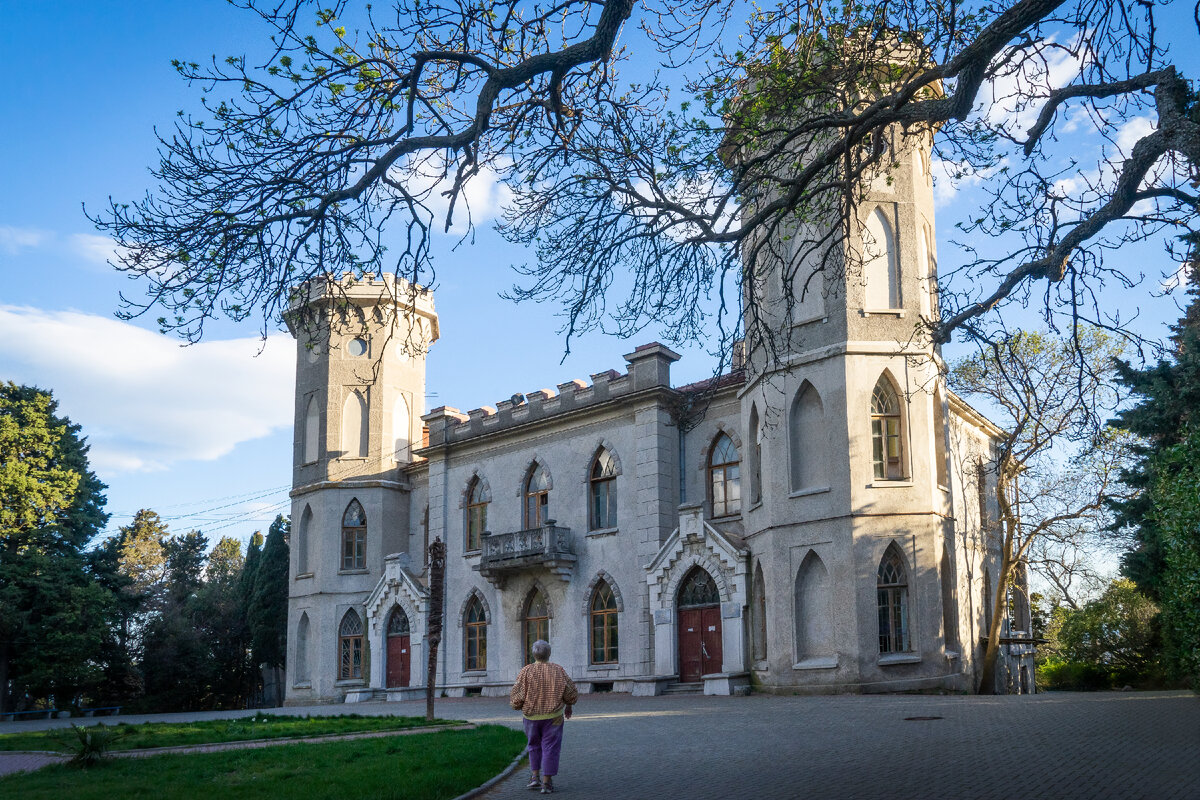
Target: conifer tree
column 1170, row 392
column 52, row 610
column 268, row 610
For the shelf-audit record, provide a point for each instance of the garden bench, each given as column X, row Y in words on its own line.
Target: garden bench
column 37, row 713
column 110, row 711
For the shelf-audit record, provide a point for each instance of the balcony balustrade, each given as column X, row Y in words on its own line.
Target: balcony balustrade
column 546, row 547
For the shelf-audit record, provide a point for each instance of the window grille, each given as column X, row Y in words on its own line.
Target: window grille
column 604, row 625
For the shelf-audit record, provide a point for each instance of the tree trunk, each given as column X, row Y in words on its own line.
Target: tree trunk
column 991, row 653
column 433, row 636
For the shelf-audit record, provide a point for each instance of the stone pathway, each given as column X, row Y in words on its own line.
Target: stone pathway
column 1106, row 745
column 1125, row 746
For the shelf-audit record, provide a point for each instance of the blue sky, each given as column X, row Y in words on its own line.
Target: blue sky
column 202, row 434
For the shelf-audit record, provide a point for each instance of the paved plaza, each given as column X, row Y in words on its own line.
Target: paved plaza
column 1104, row 745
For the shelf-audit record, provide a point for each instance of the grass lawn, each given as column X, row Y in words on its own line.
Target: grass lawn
column 261, row 726
column 423, row 766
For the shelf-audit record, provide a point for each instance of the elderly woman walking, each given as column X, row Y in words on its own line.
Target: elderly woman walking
column 545, row 694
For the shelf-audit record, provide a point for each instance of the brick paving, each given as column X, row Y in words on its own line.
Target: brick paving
column 1106, row 745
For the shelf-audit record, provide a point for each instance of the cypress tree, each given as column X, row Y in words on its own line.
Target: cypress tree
column 268, row 609
column 1171, row 401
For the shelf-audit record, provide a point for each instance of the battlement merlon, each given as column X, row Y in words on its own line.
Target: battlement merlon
column 385, row 299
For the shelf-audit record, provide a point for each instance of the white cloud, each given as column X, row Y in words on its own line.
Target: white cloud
column 481, row 200
column 93, row 248
column 13, row 240
column 1176, row 280
column 1014, row 97
column 949, row 178
column 144, row 401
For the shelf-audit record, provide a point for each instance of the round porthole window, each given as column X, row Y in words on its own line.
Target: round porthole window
column 358, row 347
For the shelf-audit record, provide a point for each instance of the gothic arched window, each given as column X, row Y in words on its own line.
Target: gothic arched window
column 892, row 592
column 887, row 443
column 535, row 621
column 537, row 496
column 604, row 625
column 725, row 477
column 602, row 489
column 477, row 503
column 350, row 646
column 474, row 636
column 698, row 589
column 354, row 537
column 398, row 623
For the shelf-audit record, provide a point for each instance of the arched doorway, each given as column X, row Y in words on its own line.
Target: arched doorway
column 398, row 647
column 699, row 606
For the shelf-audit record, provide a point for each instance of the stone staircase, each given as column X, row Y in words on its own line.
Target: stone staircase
column 684, row 688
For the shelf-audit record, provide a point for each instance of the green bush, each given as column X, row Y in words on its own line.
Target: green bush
column 1072, row 676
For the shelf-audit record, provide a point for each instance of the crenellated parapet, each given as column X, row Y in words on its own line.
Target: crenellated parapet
column 649, row 369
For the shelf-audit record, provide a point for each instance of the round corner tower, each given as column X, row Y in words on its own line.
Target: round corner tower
column 360, row 392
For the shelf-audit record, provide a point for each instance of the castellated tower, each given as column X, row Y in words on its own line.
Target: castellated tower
column 360, row 392
column 845, row 416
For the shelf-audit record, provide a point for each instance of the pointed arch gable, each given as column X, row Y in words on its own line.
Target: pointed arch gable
column 485, row 489
column 601, row 577
column 535, row 588
column 706, row 451
column 475, row 593
column 706, row 561
column 536, row 465
column 604, row 445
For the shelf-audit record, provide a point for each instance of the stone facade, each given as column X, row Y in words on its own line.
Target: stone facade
column 855, row 556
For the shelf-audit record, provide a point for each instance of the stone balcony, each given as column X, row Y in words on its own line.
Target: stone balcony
column 548, row 547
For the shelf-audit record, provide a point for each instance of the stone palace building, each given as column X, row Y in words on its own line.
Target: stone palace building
column 819, row 522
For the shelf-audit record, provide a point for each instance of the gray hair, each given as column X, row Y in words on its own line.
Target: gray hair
column 540, row 650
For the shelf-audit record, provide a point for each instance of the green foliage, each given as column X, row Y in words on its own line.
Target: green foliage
column 1170, row 392
column 417, row 767
column 1174, row 500
column 89, row 745
column 224, row 562
column 258, row 726
column 52, row 609
column 1109, row 642
column 143, row 559
column 268, row 609
column 1058, row 674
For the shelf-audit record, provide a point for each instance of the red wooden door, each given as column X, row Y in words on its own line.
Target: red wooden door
column 710, row 639
column 691, row 665
column 398, row 659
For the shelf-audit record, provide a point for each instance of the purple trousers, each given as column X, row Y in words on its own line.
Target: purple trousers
column 545, row 741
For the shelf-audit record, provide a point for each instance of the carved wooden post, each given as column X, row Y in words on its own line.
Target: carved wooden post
column 437, row 588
